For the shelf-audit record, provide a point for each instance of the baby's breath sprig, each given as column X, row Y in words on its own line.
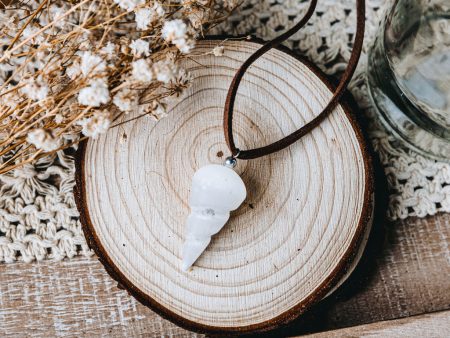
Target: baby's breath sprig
column 69, row 69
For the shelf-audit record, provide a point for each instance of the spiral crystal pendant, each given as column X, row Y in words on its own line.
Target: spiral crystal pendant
column 216, row 190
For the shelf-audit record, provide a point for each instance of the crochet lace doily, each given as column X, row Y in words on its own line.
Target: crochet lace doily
column 38, row 216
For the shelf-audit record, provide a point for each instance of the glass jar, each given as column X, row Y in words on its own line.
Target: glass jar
column 409, row 75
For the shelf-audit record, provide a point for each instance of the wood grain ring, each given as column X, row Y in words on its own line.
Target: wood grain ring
column 257, row 125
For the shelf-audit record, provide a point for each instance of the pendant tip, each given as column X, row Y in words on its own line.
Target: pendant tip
column 185, row 266
column 192, row 250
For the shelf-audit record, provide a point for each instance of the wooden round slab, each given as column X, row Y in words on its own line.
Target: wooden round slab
column 292, row 241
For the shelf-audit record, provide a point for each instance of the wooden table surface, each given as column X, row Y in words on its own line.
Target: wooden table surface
column 404, row 273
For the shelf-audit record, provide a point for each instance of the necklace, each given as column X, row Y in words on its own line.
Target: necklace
column 218, row 189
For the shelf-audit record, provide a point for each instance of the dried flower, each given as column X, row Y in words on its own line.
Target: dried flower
column 94, row 95
column 43, row 140
column 129, row 5
column 10, row 98
column 109, row 51
column 35, row 89
column 142, row 72
column 218, row 50
column 92, row 64
column 165, row 70
column 95, row 125
column 125, row 100
column 175, row 31
column 147, row 15
column 59, row 118
column 140, row 48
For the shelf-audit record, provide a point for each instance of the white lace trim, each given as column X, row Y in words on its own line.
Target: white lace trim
column 38, row 216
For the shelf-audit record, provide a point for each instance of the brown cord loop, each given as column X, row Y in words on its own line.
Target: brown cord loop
column 296, row 135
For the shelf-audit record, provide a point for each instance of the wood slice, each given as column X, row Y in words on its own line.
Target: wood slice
column 295, row 238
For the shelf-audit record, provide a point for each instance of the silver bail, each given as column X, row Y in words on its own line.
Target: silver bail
column 230, row 162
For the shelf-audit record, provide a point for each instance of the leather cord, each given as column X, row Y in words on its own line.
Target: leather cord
column 296, row 135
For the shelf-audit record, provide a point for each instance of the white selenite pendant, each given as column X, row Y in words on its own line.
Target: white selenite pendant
column 216, row 190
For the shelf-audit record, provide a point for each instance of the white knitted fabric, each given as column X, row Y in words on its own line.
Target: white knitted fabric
column 38, row 217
